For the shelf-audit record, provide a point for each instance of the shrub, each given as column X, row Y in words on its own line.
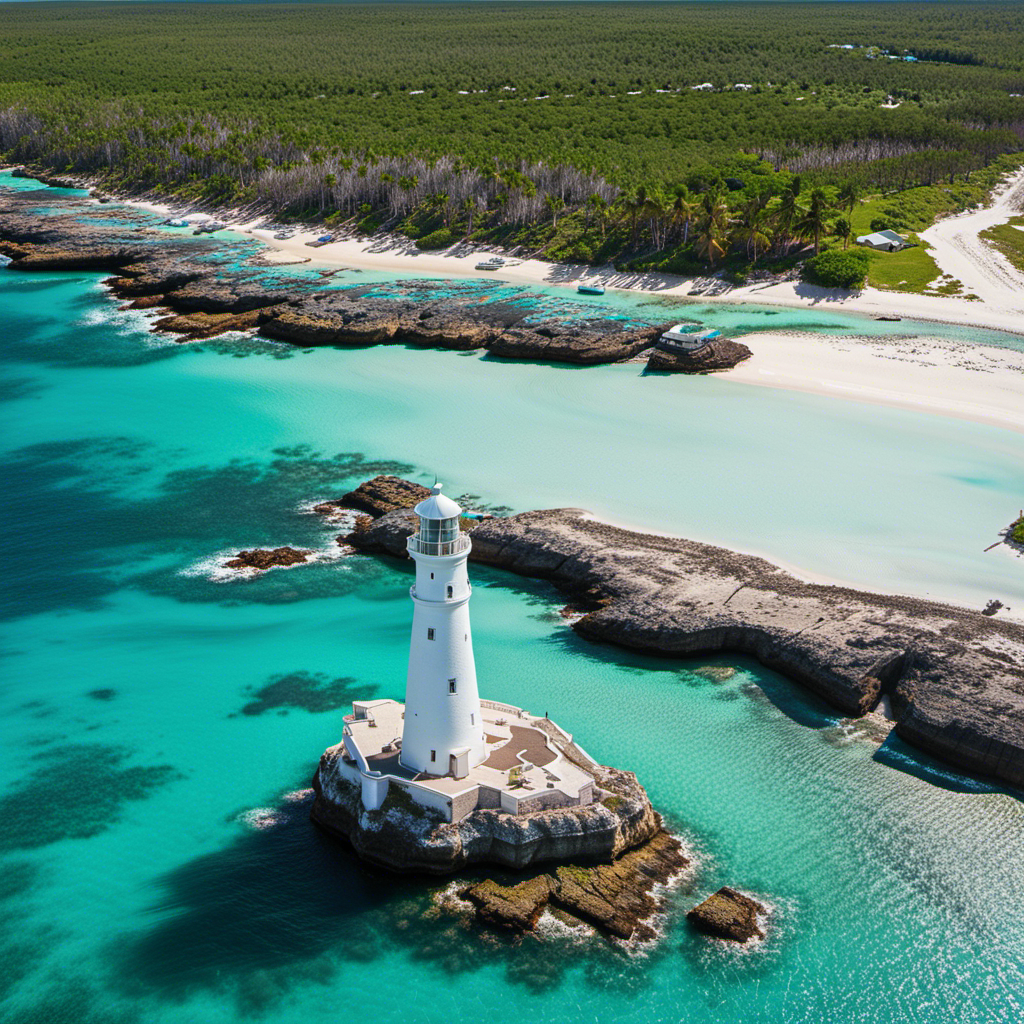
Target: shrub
column 1017, row 531
column 439, row 239
column 838, row 269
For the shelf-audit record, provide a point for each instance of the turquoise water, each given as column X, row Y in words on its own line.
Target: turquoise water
column 148, row 710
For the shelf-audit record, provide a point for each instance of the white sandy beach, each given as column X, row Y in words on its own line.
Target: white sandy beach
column 975, row 382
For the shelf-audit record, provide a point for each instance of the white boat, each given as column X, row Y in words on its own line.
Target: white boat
column 687, row 337
column 491, row 263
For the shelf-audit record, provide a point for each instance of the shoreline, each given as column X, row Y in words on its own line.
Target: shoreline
column 930, row 373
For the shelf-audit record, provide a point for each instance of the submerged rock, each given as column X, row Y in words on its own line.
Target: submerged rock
column 262, row 558
column 616, row 898
column 728, row 914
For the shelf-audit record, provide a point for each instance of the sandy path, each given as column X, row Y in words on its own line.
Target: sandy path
column 958, row 250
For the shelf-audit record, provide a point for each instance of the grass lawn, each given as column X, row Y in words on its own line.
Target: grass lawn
column 1009, row 240
column 910, row 270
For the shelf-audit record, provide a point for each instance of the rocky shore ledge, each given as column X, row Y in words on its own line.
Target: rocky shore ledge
column 203, row 294
column 954, row 677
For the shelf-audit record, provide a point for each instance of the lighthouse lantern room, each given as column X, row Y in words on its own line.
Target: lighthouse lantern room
column 443, row 730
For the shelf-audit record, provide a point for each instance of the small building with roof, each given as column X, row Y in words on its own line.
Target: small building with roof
column 884, row 241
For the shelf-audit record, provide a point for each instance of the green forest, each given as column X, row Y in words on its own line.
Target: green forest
column 588, row 129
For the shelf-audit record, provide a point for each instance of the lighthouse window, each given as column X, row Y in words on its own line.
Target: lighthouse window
column 431, row 575
column 451, row 591
column 472, row 719
column 430, row 634
column 451, row 685
column 433, row 755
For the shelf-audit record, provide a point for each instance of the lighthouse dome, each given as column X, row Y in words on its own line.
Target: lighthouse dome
column 437, row 506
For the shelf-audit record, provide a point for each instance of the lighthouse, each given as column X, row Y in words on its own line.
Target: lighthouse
column 442, row 733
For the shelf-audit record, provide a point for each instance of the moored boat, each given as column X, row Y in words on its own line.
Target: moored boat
column 491, row 263
column 590, row 288
column 686, row 338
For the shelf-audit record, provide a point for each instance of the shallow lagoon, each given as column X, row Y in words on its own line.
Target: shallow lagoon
column 146, row 710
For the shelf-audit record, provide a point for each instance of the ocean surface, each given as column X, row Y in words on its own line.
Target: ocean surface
column 160, row 721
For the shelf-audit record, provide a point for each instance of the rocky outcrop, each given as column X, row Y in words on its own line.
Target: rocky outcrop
column 616, row 898
column 199, row 326
column 193, row 279
column 383, row 494
column 262, row 558
column 955, row 676
column 583, row 345
column 720, row 354
column 402, row 836
column 236, row 296
column 728, row 914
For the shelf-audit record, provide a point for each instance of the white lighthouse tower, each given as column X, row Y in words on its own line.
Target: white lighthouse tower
column 443, row 729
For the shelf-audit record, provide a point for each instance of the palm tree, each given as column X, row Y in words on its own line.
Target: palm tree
column 844, row 229
column 814, row 221
column 713, row 228
column 634, row 203
column 788, row 212
column 656, row 210
column 683, row 208
column 555, row 205
column 753, row 227
column 849, row 196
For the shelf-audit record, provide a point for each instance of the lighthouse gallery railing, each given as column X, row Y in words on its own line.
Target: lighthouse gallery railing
column 444, row 547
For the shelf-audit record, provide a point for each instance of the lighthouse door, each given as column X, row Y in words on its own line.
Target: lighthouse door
column 458, row 763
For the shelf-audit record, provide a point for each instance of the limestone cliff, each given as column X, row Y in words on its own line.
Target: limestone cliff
column 955, row 676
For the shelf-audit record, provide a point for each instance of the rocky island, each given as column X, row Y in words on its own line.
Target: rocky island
column 447, row 780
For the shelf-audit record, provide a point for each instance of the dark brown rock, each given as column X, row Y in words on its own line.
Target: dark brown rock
column 237, row 296
column 383, row 494
column 410, row 839
column 262, row 558
column 728, row 914
column 514, row 908
column 455, row 330
column 583, row 345
column 616, row 898
column 956, row 676
column 197, row 326
column 720, row 354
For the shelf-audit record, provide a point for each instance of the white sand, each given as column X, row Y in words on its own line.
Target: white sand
column 975, row 382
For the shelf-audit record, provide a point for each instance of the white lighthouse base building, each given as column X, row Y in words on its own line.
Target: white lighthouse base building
column 525, row 768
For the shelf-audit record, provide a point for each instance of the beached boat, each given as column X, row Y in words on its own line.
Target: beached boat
column 686, row 338
column 590, row 288
column 208, row 227
column 175, row 222
column 491, row 263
